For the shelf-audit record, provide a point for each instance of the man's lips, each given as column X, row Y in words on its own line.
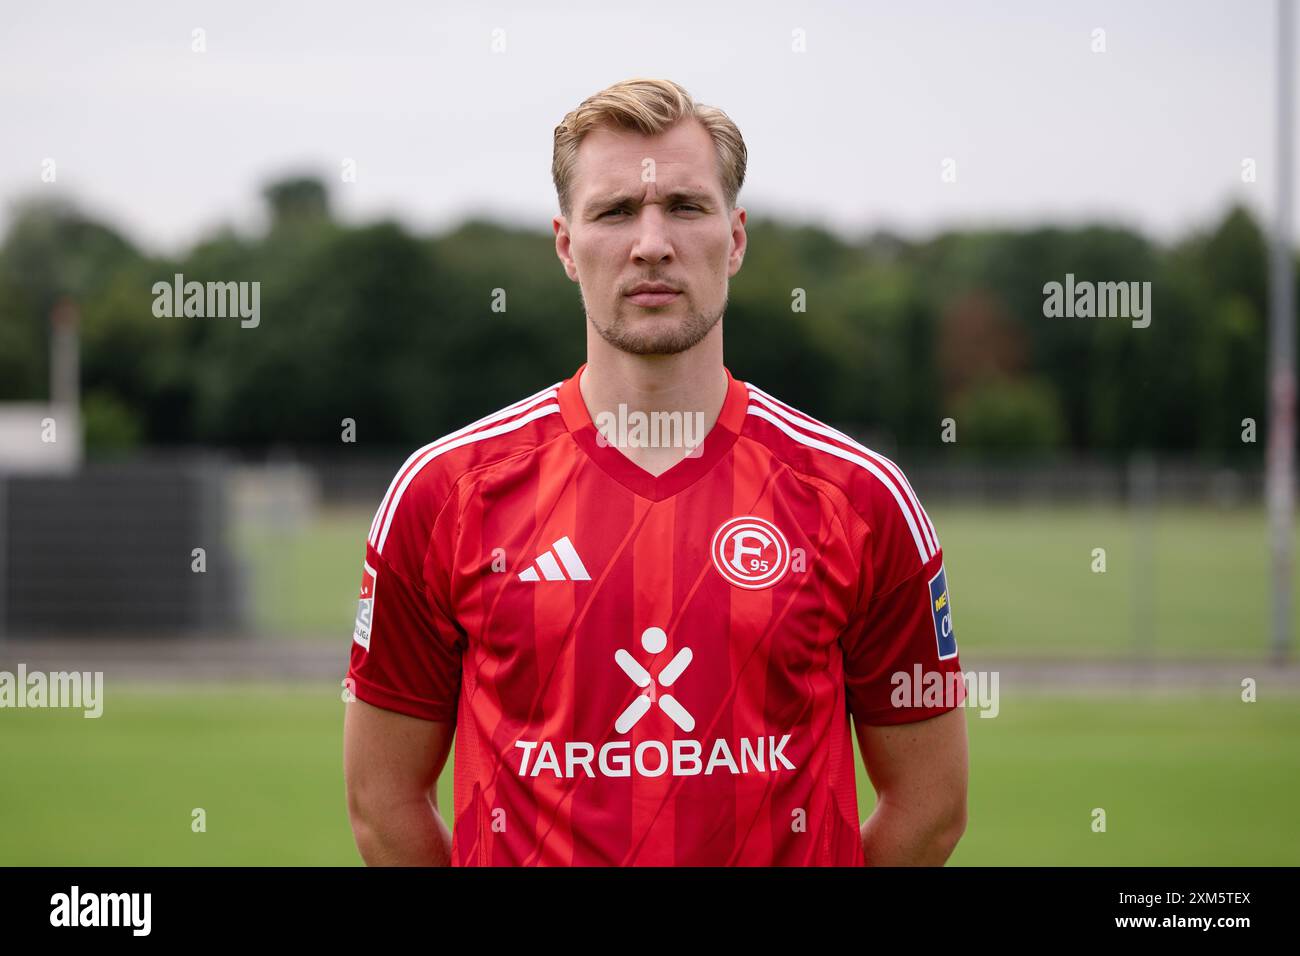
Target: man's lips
column 652, row 294
column 652, row 298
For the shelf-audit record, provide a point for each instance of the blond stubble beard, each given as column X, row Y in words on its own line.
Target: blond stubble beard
column 625, row 335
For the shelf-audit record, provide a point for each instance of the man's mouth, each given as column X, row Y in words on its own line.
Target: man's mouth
column 650, row 294
column 653, row 298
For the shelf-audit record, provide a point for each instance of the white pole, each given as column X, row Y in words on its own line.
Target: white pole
column 1281, row 432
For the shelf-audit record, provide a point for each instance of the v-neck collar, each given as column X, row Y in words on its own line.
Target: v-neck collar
column 632, row 476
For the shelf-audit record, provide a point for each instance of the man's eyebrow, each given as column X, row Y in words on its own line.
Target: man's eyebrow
column 629, row 199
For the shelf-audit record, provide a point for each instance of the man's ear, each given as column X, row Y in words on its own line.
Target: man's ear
column 739, row 240
column 562, row 247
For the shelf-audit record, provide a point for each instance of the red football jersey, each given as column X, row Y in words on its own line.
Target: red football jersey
column 652, row 670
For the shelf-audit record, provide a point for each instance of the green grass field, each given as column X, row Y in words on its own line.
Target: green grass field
column 1184, row 780
column 1021, row 580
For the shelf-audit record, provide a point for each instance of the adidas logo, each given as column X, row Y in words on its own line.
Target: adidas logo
column 569, row 567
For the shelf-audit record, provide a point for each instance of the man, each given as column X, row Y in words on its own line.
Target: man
column 650, row 651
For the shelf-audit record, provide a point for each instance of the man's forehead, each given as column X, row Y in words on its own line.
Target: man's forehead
column 617, row 160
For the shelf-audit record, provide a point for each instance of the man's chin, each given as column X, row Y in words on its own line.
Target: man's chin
column 645, row 341
column 649, row 345
column 661, row 330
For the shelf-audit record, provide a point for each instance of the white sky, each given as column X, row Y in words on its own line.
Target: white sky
column 168, row 143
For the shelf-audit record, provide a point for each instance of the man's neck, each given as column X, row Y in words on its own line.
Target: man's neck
column 691, row 383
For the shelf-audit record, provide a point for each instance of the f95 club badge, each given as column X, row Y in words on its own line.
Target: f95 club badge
column 365, row 607
column 750, row 552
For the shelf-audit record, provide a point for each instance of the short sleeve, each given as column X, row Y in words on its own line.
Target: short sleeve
column 899, row 647
column 406, row 645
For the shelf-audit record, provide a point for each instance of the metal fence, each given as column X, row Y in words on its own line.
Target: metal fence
column 347, row 480
column 132, row 548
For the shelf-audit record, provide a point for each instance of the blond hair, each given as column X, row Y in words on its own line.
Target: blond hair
column 649, row 107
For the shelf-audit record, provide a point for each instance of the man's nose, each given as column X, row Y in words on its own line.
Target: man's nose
column 652, row 242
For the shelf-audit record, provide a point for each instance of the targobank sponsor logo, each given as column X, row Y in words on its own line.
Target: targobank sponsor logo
column 684, row 757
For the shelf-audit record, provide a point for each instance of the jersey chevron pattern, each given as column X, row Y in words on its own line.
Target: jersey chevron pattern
column 651, row 670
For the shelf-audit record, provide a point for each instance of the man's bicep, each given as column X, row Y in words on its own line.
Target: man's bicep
column 922, row 763
column 387, row 754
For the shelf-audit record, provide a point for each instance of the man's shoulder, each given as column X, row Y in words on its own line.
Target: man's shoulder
column 427, row 477
column 875, row 487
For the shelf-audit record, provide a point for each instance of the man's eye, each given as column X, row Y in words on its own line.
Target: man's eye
column 681, row 205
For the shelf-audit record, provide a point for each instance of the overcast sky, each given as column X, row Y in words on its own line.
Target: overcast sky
column 170, row 143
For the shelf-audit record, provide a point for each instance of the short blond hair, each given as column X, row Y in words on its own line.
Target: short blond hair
column 649, row 107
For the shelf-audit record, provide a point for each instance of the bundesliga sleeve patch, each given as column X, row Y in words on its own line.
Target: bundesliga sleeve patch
column 941, row 610
column 365, row 607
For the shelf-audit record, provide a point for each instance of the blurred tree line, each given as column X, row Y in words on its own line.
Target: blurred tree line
column 398, row 332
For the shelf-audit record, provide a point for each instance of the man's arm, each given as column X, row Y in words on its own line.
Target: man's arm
column 920, row 772
column 391, row 764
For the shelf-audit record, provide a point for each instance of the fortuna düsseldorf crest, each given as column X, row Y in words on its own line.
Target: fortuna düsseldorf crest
column 750, row 552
